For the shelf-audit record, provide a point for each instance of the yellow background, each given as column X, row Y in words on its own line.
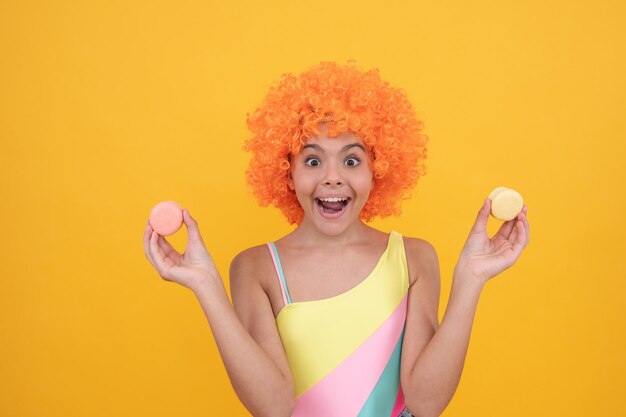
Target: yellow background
column 109, row 107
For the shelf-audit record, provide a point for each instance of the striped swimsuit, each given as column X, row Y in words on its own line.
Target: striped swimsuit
column 344, row 351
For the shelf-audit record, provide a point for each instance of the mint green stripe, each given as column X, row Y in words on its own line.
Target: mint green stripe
column 281, row 274
column 383, row 397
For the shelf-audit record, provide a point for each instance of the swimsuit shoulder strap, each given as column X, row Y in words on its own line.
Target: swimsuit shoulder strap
column 279, row 273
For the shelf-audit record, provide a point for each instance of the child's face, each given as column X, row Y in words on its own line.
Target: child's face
column 332, row 179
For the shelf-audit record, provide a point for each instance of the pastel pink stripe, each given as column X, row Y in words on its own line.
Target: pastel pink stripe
column 343, row 391
column 280, row 282
column 400, row 404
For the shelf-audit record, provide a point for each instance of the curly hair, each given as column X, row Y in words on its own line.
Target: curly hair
column 345, row 99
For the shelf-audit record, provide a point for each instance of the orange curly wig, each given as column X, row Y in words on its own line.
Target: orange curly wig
column 344, row 98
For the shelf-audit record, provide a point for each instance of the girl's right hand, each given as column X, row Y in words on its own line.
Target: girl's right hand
column 190, row 269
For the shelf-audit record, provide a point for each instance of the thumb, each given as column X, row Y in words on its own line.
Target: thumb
column 480, row 225
column 193, row 232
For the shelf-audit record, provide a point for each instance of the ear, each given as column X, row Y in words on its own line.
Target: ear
column 290, row 181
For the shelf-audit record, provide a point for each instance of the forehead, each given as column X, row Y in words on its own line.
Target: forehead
column 342, row 142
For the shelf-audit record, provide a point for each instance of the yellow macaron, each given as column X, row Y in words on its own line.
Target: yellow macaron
column 506, row 203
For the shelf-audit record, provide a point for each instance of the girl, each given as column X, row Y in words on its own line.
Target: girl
column 337, row 318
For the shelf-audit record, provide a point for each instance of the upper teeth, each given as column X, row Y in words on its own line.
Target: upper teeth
column 333, row 199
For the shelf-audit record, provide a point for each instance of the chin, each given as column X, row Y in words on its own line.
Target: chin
column 335, row 227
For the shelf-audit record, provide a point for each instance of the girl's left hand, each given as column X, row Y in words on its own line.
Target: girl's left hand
column 484, row 258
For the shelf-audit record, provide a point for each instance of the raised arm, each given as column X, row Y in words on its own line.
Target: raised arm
column 249, row 347
column 435, row 354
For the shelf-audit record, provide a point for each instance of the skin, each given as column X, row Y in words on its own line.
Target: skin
column 314, row 261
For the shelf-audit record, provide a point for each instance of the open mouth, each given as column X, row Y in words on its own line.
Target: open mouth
column 332, row 206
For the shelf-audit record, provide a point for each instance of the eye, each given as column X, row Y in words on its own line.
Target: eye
column 312, row 161
column 352, row 161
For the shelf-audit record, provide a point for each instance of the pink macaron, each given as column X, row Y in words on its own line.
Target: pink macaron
column 166, row 218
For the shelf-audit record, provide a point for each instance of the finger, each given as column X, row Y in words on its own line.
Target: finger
column 157, row 253
column 167, row 248
column 524, row 218
column 480, row 225
column 518, row 237
column 193, row 232
column 505, row 229
column 146, row 243
column 526, row 224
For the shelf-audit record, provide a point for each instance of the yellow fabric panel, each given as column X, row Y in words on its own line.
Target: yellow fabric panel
column 318, row 335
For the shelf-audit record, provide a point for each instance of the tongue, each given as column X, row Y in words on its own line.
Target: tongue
column 334, row 206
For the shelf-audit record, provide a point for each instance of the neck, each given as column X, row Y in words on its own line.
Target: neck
column 308, row 234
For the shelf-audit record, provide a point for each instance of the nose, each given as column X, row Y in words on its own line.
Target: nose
column 332, row 177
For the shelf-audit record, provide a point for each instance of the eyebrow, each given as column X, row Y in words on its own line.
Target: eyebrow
column 344, row 149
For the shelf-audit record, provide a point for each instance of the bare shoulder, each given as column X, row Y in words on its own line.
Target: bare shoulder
column 420, row 248
column 250, row 267
column 250, row 258
column 422, row 259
